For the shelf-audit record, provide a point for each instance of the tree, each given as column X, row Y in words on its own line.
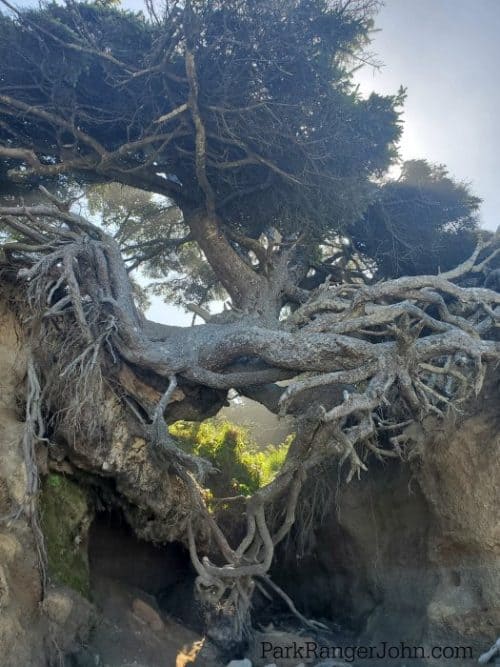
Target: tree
column 226, row 108
column 243, row 115
column 423, row 222
column 153, row 237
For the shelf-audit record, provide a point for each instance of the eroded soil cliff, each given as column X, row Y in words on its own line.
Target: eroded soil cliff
column 408, row 553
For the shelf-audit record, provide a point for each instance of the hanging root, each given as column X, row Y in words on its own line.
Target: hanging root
column 33, row 432
column 163, row 447
column 308, row 623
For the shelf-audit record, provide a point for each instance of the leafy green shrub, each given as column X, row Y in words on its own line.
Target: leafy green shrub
column 242, row 467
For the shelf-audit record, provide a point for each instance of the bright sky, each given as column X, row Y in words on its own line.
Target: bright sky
column 447, row 54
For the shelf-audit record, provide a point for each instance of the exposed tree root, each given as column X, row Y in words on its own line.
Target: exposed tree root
column 33, row 432
column 381, row 356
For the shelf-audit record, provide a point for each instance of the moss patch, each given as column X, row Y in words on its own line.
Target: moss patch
column 65, row 519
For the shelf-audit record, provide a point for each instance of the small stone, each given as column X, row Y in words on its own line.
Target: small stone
column 147, row 615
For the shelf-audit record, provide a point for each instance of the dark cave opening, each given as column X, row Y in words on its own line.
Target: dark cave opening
column 124, row 566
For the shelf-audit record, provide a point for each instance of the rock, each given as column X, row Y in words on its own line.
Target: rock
column 71, row 618
column 147, row 615
column 57, row 605
column 10, row 548
column 434, row 575
column 240, row 663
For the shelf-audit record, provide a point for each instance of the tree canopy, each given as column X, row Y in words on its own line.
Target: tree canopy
column 245, row 110
column 423, row 222
column 114, row 92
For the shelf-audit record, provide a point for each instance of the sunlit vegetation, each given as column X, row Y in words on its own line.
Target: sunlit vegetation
column 241, row 467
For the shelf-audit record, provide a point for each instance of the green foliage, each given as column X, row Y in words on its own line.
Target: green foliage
column 423, row 222
column 290, row 141
column 291, row 145
column 242, row 467
column 152, row 235
column 64, row 517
